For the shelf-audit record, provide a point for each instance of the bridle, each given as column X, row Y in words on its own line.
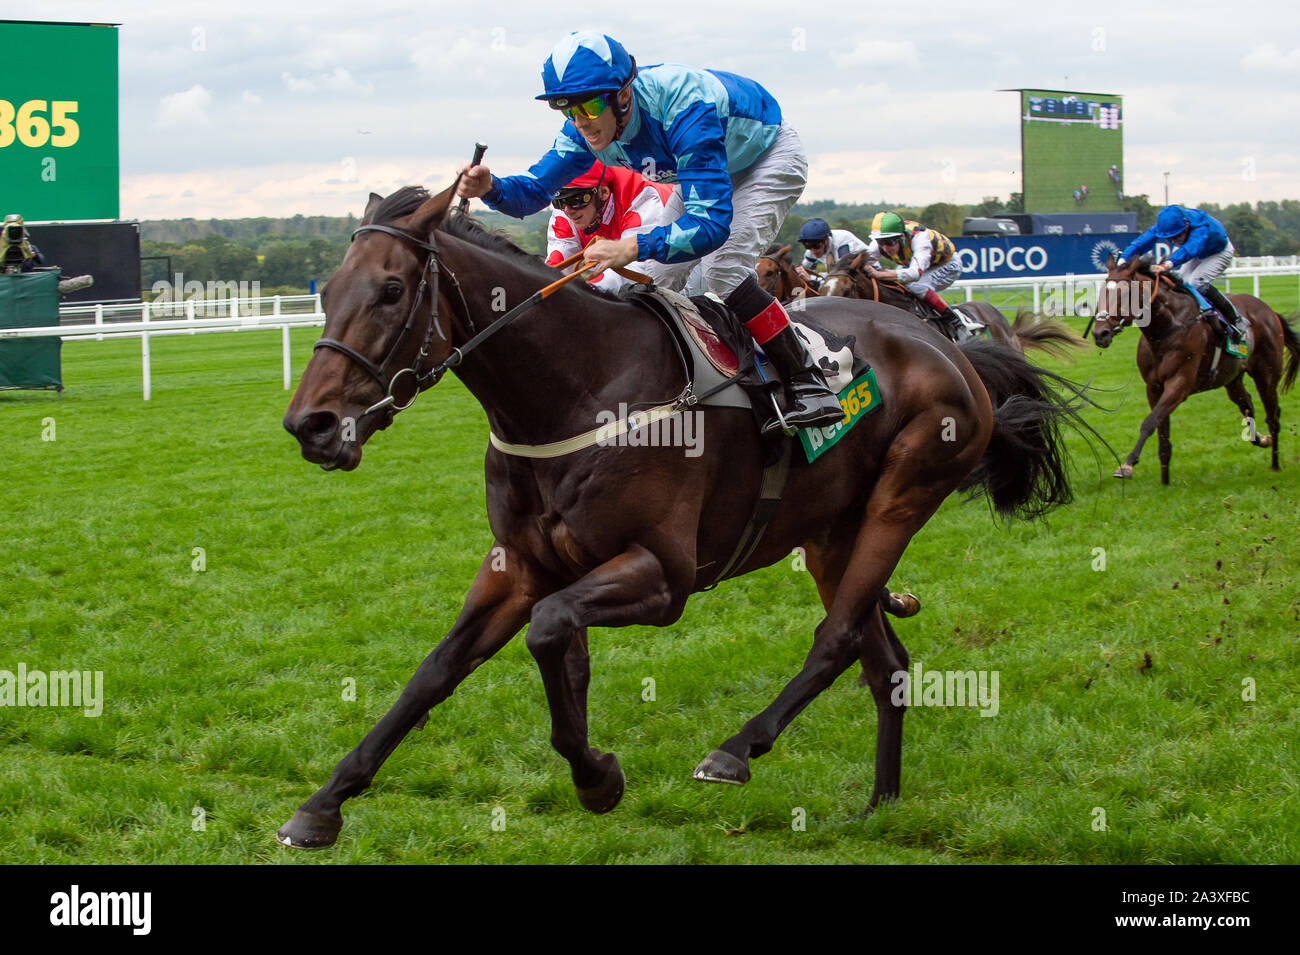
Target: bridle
column 1117, row 323
column 789, row 276
column 429, row 272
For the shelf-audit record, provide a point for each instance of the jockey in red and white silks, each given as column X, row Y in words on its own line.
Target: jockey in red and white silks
column 621, row 203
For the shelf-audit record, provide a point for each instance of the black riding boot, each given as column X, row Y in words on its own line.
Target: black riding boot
column 1234, row 324
column 956, row 330
column 810, row 401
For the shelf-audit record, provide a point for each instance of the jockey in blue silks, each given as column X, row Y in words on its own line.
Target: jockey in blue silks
column 1203, row 252
column 722, row 139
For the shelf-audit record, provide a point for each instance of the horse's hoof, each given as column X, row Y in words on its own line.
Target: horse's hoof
column 1123, row 471
column 310, row 830
column 721, row 767
column 1264, row 441
column 606, row 794
column 905, row 605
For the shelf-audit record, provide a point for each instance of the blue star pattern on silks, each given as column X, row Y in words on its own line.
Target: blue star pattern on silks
column 703, row 125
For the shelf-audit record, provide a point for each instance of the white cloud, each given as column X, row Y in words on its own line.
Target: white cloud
column 189, row 108
column 879, row 53
column 249, row 98
column 1269, row 57
column 338, row 81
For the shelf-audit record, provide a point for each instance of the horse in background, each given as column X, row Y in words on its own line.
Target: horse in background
column 1176, row 354
column 851, row 279
column 777, row 275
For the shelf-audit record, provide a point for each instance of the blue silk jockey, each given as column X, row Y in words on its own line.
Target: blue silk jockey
column 823, row 247
column 1203, row 252
column 721, row 137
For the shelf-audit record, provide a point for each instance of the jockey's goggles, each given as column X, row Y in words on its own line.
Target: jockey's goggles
column 575, row 200
column 587, row 109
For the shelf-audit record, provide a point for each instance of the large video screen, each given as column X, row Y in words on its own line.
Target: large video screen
column 1072, row 151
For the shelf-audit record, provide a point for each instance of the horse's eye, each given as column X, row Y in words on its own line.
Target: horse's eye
column 392, row 293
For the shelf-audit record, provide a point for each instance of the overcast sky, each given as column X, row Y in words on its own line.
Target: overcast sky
column 239, row 108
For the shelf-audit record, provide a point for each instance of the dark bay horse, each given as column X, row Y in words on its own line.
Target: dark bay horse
column 619, row 535
column 850, row 279
column 1177, row 348
column 777, row 277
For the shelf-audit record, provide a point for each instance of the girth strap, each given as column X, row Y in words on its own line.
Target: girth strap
column 770, row 490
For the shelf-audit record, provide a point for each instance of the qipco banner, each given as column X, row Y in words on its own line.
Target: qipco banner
column 1033, row 256
column 58, row 121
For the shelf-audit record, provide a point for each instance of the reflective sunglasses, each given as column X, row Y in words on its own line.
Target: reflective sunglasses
column 587, row 109
column 576, row 201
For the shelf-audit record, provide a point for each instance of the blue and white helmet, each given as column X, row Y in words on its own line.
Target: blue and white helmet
column 586, row 63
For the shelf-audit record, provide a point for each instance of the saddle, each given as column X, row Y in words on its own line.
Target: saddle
column 971, row 326
column 725, row 369
column 725, row 366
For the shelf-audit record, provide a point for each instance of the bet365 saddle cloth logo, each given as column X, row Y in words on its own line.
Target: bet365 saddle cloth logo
column 858, row 398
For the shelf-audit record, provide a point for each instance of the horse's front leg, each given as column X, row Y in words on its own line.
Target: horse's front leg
column 496, row 607
column 633, row 588
column 1163, row 400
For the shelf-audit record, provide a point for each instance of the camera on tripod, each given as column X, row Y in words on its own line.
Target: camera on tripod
column 16, row 248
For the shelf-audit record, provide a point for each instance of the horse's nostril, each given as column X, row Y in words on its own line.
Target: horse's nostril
column 319, row 426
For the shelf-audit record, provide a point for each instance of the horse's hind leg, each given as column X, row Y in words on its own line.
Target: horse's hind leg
column 633, row 588
column 1266, row 384
column 495, row 609
column 899, row 506
column 883, row 659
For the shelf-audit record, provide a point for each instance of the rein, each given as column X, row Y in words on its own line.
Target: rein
column 421, row 379
column 1126, row 320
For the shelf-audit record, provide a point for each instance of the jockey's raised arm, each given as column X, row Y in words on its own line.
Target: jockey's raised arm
column 739, row 166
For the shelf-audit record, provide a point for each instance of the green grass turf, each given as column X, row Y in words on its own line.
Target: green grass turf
column 225, row 687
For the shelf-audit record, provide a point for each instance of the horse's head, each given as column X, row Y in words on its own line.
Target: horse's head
column 842, row 280
column 384, row 332
column 1113, row 312
column 772, row 267
column 1124, row 296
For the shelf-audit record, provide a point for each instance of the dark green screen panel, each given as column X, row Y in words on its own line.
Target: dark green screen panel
column 58, row 121
column 1069, row 141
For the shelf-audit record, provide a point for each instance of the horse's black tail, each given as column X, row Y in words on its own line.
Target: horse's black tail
column 1293, row 346
column 1024, row 470
column 1047, row 335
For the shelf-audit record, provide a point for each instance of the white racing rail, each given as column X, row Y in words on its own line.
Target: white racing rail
column 146, row 320
column 1267, row 266
column 151, row 319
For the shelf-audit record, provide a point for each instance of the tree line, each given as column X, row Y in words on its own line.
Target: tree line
column 285, row 254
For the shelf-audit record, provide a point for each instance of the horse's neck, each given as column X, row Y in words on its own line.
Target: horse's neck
column 1165, row 316
column 567, row 359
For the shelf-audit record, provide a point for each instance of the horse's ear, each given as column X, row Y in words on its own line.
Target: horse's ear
column 857, row 261
column 430, row 215
column 1110, row 261
column 375, row 199
column 783, row 251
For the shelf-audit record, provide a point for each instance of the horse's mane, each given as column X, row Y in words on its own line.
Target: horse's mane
column 845, row 263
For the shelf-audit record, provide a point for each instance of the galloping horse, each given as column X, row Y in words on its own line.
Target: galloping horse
column 777, row 277
column 850, row 279
column 1176, row 352
column 619, row 535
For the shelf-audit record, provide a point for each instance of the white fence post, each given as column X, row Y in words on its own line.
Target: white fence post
column 99, row 319
column 146, row 371
column 284, row 341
